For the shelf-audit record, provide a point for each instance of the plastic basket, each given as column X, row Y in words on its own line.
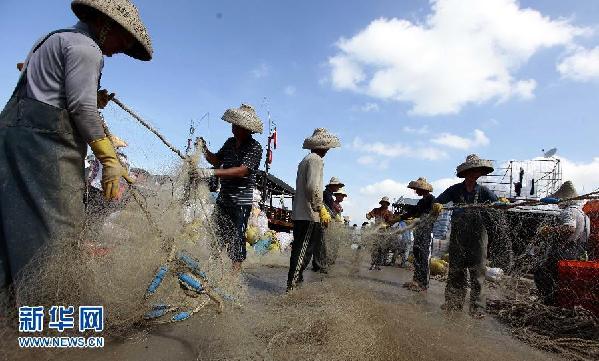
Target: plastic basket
column 578, row 284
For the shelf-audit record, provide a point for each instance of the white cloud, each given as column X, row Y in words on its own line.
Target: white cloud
column 398, row 150
column 581, row 65
column 465, row 51
column 373, row 161
column 370, row 107
column 479, row 139
column 585, row 176
column 421, row 130
column 289, row 90
column 261, row 71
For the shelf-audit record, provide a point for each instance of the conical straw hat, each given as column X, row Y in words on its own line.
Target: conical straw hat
column 566, row 191
column 341, row 191
column 321, row 139
column 245, row 116
column 335, row 182
column 126, row 15
column 421, row 183
column 474, row 162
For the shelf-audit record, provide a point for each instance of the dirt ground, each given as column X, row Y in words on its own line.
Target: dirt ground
column 349, row 314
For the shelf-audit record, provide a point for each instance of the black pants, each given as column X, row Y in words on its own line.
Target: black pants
column 306, row 236
column 319, row 257
column 232, row 223
column 422, row 250
column 546, row 281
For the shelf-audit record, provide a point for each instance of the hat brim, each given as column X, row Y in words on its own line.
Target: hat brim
column 485, row 170
column 388, row 203
column 137, row 51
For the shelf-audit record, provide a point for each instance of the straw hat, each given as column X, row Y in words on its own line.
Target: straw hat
column 117, row 142
column 421, row 183
column 566, row 191
column 474, row 162
column 245, row 117
column 321, row 139
column 335, row 182
column 385, row 199
column 341, row 191
column 126, row 15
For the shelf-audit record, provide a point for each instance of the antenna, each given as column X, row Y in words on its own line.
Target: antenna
column 550, row 153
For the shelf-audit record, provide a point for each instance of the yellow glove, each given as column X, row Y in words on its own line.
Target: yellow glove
column 112, row 170
column 504, row 200
column 437, row 208
column 325, row 217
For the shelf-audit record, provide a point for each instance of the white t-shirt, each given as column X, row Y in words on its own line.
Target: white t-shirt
column 574, row 216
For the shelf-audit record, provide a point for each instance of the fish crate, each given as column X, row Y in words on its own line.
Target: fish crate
column 578, row 284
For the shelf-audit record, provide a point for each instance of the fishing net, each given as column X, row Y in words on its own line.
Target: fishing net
column 123, row 244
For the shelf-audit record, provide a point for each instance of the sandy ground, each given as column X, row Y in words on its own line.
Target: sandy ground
column 347, row 315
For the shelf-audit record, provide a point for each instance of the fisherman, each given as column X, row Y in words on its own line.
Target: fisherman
column 422, row 233
column 340, row 195
column 319, row 261
column 307, row 211
column 328, row 195
column 337, row 221
column 46, row 126
column 237, row 162
column 568, row 241
column 468, row 241
column 383, row 218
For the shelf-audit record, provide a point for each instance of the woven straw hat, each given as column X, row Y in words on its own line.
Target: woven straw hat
column 341, row 191
column 384, row 199
column 245, row 117
column 566, row 191
column 335, row 182
column 474, row 162
column 321, row 139
column 126, row 15
column 421, row 183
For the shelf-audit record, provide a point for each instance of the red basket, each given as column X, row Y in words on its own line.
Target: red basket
column 578, row 285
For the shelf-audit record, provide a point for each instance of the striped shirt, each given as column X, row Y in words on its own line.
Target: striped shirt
column 239, row 191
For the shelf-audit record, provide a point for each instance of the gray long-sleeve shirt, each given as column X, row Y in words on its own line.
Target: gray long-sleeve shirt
column 308, row 189
column 65, row 72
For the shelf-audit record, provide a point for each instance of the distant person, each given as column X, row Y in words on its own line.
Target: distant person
column 468, row 241
column 383, row 218
column 568, row 241
column 319, row 259
column 237, row 162
column 422, row 233
column 307, row 204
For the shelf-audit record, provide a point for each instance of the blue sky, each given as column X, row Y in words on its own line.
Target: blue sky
column 411, row 87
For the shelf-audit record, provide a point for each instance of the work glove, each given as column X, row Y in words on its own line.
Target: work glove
column 104, row 98
column 325, row 217
column 112, row 170
column 436, row 210
column 504, row 200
